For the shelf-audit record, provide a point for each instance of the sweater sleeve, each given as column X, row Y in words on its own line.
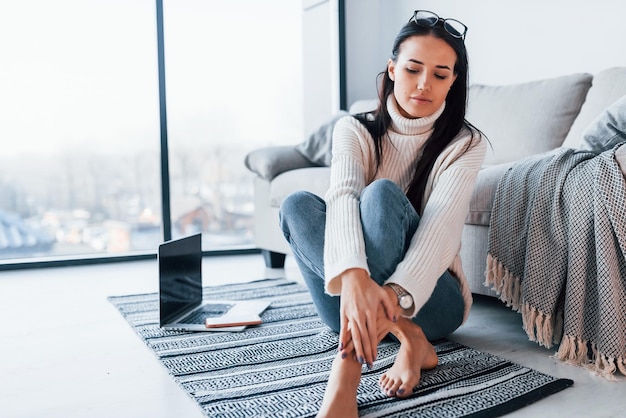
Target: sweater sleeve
column 344, row 244
column 437, row 240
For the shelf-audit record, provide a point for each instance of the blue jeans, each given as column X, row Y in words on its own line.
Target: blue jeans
column 389, row 222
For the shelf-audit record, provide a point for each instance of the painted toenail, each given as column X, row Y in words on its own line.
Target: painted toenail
column 400, row 391
column 391, row 393
column 344, row 355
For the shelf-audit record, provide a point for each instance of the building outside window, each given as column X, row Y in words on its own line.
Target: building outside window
column 79, row 120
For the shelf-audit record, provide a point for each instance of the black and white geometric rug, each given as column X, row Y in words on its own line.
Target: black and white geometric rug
column 280, row 368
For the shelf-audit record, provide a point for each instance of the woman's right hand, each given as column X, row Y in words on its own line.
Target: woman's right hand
column 362, row 301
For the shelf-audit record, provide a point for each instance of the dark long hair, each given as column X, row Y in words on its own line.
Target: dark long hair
column 446, row 127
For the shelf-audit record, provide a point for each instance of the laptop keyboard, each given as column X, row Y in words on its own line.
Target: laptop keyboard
column 212, row 310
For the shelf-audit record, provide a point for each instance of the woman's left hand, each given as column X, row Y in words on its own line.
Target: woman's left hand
column 384, row 325
column 362, row 301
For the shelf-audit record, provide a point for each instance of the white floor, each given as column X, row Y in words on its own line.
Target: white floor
column 66, row 352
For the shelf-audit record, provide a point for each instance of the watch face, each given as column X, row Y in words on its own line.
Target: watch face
column 406, row 301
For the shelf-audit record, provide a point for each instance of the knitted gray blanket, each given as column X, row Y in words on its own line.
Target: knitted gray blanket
column 557, row 254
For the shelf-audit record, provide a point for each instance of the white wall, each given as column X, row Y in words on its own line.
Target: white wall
column 508, row 41
column 320, row 62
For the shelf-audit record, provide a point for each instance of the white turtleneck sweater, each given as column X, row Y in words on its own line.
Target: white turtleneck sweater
column 435, row 245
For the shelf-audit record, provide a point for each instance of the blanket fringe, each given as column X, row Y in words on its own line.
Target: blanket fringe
column 547, row 330
column 539, row 326
column 575, row 351
column 504, row 283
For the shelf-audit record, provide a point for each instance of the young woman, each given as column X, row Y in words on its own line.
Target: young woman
column 380, row 253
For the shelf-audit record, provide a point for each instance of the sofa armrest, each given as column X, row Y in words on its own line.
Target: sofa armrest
column 268, row 162
column 484, row 193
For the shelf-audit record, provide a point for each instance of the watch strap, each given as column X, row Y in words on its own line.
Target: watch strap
column 397, row 289
column 401, row 293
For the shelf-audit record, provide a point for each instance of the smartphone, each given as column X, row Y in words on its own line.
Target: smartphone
column 233, row 321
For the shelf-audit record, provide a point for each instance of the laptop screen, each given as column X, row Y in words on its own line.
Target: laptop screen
column 180, row 276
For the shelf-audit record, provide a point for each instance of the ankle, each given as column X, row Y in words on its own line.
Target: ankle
column 405, row 328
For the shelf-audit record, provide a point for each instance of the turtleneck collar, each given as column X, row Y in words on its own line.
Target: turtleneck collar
column 406, row 126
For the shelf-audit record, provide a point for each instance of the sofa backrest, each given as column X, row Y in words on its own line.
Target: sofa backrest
column 362, row 106
column 524, row 119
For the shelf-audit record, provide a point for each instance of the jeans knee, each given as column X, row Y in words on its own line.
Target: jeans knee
column 381, row 199
column 295, row 206
column 287, row 208
column 290, row 202
column 382, row 189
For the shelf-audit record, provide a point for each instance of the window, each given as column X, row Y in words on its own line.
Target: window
column 233, row 76
column 79, row 120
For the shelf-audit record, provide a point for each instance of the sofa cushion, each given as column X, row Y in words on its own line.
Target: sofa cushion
column 604, row 133
column 607, row 86
column 317, row 147
column 525, row 119
column 607, row 130
column 620, row 156
column 315, row 180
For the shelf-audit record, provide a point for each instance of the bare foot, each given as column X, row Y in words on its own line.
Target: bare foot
column 415, row 354
column 340, row 395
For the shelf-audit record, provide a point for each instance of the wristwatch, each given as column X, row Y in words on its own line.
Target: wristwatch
column 405, row 300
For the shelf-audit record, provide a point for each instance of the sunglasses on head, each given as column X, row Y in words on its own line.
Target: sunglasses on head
column 430, row 19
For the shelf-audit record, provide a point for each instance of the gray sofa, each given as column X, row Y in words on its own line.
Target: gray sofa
column 520, row 120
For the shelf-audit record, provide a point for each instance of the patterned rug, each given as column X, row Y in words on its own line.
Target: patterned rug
column 279, row 369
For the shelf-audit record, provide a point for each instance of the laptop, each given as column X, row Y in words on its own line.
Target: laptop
column 181, row 305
